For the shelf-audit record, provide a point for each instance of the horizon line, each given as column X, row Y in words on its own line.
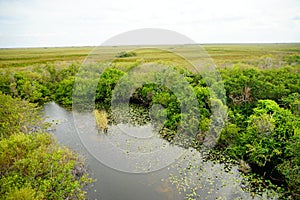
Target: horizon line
column 188, row 44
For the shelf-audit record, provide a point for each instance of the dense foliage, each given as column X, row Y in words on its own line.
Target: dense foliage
column 32, row 164
column 263, row 124
column 262, row 127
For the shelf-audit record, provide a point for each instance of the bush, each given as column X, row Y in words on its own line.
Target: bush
column 18, row 116
column 32, row 164
column 37, row 162
column 270, row 143
column 125, row 54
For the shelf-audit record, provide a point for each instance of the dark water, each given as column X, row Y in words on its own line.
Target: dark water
column 127, row 168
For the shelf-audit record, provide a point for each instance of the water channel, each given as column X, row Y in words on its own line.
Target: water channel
column 124, row 169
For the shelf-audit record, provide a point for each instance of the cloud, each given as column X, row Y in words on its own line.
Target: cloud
column 90, row 22
column 296, row 18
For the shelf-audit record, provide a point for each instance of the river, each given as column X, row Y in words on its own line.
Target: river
column 173, row 173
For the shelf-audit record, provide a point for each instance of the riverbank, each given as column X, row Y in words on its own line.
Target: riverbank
column 32, row 164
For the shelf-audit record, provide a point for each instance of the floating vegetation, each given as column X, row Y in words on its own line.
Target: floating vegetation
column 101, row 120
column 134, row 114
column 196, row 175
column 197, row 178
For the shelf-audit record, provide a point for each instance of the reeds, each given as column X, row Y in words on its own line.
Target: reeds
column 101, row 120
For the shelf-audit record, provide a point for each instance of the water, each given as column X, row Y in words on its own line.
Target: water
column 127, row 168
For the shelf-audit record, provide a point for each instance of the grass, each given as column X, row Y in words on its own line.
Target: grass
column 222, row 54
column 31, row 56
column 101, row 120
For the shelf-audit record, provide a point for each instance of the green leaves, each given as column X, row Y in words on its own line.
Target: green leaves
column 18, row 116
column 64, row 91
column 37, row 161
column 32, row 164
column 270, row 141
column 269, row 131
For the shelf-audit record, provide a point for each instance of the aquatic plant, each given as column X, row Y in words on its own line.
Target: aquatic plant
column 101, row 120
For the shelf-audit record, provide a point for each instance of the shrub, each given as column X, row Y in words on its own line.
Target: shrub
column 125, row 54
column 32, row 164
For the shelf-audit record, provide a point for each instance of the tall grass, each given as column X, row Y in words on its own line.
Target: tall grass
column 101, row 120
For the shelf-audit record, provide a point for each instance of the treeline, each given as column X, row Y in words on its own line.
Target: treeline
column 261, row 128
column 40, row 84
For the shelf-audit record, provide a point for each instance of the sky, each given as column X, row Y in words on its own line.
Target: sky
column 47, row 23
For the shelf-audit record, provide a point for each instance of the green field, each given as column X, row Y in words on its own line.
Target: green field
column 222, row 54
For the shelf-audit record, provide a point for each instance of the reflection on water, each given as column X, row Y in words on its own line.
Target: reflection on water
column 131, row 166
column 126, row 147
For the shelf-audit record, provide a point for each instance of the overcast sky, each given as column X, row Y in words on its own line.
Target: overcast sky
column 31, row 23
